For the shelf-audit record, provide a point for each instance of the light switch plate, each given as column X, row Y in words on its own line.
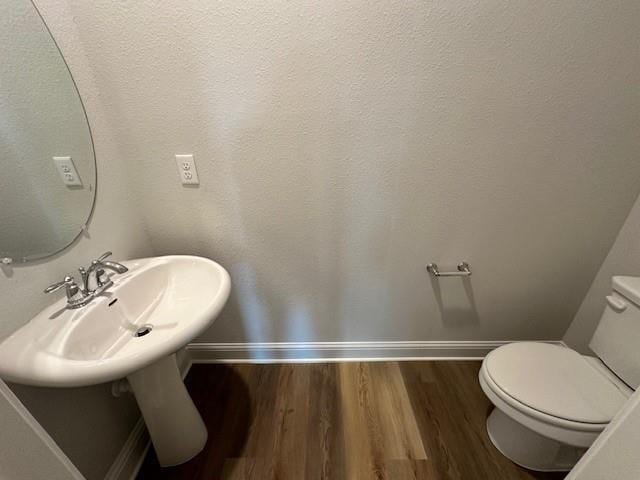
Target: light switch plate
column 187, row 169
column 67, row 171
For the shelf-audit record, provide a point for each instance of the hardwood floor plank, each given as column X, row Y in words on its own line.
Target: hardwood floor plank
column 237, row 469
column 264, row 435
column 450, row 403
column 401, row 438
column 342, row 421
column 292, row 455
column 325, row 440
column 360, row 426
column 410, row 470
column 229, row 408
column 425, row 399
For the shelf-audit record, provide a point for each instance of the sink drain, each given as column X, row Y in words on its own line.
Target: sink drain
column 143, row 330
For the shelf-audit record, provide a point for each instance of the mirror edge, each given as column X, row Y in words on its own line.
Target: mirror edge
column 85, row 225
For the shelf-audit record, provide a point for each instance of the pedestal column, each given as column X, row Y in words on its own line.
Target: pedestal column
column 175, row 426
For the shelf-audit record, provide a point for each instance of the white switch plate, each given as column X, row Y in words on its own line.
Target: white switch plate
column 187, row 170
column 67, row 171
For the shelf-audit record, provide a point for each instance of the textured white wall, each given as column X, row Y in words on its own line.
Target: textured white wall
column 622, row 259
column 88, row 424
column 343, row 145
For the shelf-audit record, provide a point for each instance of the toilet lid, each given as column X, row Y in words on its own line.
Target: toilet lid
column 554, row 380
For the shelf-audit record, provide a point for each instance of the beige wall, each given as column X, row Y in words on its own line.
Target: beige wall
column 26, row 450
column 343, row 145
column 88, row 424
column 622, row 259
column 614, row 454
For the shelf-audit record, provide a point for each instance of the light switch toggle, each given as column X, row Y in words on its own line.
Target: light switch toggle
column 67, row 171
column 187, row 170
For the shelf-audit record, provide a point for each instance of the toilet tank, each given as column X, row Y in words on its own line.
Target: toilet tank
column 616, row 341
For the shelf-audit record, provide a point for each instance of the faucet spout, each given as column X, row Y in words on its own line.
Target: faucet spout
column 115, row 266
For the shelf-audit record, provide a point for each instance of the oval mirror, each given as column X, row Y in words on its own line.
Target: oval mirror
column 48, row 171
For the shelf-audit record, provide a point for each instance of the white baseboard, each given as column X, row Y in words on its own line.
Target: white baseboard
column 307, row 352
column 131, row 456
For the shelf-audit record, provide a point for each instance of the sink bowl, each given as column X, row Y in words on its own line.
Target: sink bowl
column 132, row 330
column 177, row 296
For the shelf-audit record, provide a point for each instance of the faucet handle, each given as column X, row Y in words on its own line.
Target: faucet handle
column 67, row 282
column 103, row 257
column 58, row 285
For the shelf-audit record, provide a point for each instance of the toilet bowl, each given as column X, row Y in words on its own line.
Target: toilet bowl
column 550, row 401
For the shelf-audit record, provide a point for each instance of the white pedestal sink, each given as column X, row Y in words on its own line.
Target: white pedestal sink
column 133, row 330
column 176, row 429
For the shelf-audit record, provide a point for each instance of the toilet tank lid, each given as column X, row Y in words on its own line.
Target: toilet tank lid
column 628, row 287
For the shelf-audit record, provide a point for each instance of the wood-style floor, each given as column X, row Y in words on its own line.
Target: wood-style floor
column 386, row 420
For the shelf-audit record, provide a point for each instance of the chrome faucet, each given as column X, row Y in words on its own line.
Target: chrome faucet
column 94, row 281
column 93, row 277
column 74, row 294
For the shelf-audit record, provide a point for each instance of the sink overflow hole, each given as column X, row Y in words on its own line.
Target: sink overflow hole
column 113, row 301
column 142, row 331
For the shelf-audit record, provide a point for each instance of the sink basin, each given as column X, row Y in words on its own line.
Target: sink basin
column 178, row 296
column 132, row 330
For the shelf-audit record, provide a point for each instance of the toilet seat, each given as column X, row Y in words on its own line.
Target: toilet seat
column 554, row 384
column 561, row 430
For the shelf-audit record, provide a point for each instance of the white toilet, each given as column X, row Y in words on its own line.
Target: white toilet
column 552, row 402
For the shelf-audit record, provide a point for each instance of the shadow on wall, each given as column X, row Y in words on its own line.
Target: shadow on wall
column 325, row 260
column 456, row 301
column 329, row 261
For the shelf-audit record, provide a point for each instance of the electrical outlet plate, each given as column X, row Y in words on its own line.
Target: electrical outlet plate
column 67, row 171
column 187, row 170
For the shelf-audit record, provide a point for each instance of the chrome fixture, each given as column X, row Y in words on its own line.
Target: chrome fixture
column 74, row 294
column 94, row 281
column 464, row 270
column 93, row 277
